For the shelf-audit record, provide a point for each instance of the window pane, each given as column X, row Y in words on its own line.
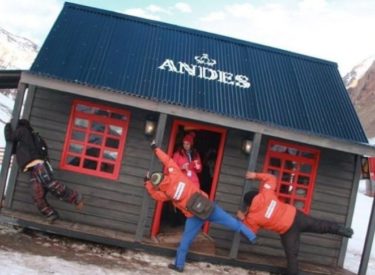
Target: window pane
column 93, row 152
column 292, row 151
column 75, row 148
column 111, row 142
column 90, row 164
column 84, row 108
column 107, row 167
column 95, row 139
column 275, row 162
column 299, row 204
column 72, row 160
column 110, row 155
column 305, row 168
column 78, row 135
column 301, row 192
column 303, row 180
column 278, row 148
column 119, row 116
column 290, row 165
column 101, row 112
column 308, row 155
column 81, row 123
column 97, row 126
column 115, row 130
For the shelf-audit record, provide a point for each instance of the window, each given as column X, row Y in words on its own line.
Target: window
column 295, row 167
column 95, row 139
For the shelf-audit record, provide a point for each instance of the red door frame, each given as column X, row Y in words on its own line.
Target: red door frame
column 220, row 151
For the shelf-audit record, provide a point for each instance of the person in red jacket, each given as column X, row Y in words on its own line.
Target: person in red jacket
column 173, row 185
column 266, row 211
column 188, row 159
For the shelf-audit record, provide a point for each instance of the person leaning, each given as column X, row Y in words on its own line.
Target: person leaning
column 266, row 211
column 173, row 185
column 32, row 159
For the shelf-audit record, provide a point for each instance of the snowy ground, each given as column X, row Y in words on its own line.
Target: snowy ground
column 29, row 252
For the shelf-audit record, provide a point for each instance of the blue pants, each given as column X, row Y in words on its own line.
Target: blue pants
column 193, row 226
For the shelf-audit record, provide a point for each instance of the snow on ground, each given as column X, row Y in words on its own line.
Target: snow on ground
column 24, row 251
column 361, row 218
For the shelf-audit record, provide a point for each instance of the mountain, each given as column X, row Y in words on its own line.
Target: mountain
column 360, row 83
column 15, row 53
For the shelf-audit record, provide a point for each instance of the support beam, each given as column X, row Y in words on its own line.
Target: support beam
column 368, row 242
column 9, row 145
column 247, row 186
column 146, row 198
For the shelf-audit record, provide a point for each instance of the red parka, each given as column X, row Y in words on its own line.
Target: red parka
column 266, row 210
column 194, row 166
column 175, row 185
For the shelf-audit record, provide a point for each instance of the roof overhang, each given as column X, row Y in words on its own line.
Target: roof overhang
column 9, row 79
column 361, row 149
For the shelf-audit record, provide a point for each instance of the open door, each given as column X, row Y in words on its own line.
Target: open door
column 209, row 142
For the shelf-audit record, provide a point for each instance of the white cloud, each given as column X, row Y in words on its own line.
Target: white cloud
column 157, row 9
column 142, row 13
column 327, row 30
column 31, row 19
column 214, row 16
column 183, row 7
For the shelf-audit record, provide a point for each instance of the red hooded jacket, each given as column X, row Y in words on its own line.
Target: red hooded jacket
column 175, row 185
column 194, row 166
column 266, row 210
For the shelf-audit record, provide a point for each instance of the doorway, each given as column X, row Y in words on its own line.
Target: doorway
column 209, row 143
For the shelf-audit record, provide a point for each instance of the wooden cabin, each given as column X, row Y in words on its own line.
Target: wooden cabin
column 105, row 84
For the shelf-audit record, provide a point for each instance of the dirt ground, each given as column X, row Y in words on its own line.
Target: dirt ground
column 28, row 241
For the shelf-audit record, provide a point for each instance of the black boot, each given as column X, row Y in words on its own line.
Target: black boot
column 345, row 231
column 175, row 268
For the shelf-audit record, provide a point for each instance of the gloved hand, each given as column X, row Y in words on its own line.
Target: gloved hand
column 147, row 177
column 153, row 145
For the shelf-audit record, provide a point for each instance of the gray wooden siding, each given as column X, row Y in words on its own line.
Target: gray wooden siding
column 109, row 204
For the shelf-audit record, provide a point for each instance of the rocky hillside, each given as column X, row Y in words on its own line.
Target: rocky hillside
column 360, row 83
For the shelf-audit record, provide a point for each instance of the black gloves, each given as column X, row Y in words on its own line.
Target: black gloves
column 147, row 177
column 153, row 145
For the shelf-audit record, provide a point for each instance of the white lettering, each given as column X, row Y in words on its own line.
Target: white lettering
column 270, row 209
column 169, row 64
column 242, row 81
column 186, row 68
column 202, row 72
column 179, row 190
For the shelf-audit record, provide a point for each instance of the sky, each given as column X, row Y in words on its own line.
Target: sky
column 341, row 31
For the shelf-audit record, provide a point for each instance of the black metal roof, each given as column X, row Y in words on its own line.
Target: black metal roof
column 198, row 70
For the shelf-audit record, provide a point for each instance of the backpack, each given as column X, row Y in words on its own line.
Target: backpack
column 200, row 206
column 40, row 145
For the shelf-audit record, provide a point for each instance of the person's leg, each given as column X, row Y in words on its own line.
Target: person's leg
column 39, row 196
column 192, row 227
column 58, row 189
column 219, row 216
column 314, row 225
column 291, row 241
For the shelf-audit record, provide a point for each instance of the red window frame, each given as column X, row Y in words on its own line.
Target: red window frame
column 295, row 167
column 95, row 139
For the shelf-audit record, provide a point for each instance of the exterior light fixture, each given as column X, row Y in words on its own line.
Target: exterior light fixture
column 150, row 127
column 246, row 146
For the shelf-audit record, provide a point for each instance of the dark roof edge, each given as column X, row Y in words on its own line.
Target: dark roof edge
column 9, row 79
column 348, row 146
column 198, row 32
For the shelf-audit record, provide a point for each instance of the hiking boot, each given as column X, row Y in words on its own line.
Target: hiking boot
column 176, row 268
column 52, row 218
column 79, row 202
column 345, row 231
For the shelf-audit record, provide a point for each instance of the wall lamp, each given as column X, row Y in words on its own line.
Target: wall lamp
column 150, row 126
column 246, row 146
